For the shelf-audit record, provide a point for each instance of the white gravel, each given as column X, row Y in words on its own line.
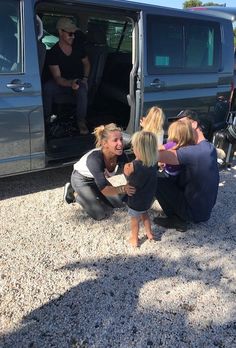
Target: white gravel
column 69, row 281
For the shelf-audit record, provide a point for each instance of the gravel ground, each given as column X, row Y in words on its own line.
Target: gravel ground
column 69, row 281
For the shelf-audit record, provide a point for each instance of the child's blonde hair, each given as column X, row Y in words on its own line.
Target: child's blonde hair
column 102, row 132
column 145, row 143
column 181, row 132
column 154, row 121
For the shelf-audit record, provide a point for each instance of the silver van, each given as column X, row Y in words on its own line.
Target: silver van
column 141, row 55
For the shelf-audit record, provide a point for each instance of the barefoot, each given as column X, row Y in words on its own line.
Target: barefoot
column 150, row 236
column 133, row 241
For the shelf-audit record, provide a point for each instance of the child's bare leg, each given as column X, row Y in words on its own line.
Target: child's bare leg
column 147, row 225
column 134, row 223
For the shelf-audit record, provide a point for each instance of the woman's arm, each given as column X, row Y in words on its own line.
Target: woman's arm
column 123, row 189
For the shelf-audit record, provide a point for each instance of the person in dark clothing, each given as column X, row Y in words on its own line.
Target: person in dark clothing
column 90, row 186
column 193, row 195
column 69, row 67
column 141, row 173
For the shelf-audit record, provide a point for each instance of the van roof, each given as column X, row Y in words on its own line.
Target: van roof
column 218, row 11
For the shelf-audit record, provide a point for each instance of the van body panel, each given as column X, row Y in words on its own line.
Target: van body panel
column 149, row 77
column 177, row 89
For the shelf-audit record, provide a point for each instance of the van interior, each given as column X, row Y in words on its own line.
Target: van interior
column 108, row 38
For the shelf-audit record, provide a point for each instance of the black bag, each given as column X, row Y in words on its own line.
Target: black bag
column 223, row 141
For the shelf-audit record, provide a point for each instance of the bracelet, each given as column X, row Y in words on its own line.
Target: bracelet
column 121, row 189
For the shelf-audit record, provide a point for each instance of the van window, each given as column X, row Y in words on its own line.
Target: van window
column 182, row 45
column 118, row 33
column 10, row 38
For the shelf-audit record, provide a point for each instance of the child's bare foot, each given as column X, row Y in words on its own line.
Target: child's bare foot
column 150, row 236
column 133, row 241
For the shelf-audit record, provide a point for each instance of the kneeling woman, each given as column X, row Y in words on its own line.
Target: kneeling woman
column 89, row 178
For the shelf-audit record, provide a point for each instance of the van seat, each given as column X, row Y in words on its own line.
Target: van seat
column 97, row 51
column 115, row 84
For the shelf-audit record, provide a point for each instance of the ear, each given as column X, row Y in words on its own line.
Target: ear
column 194, row 125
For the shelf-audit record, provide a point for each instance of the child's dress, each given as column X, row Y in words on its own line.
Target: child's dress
column 144, row 179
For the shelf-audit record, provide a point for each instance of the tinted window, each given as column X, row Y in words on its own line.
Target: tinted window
column 10, row 38
column 182, row 45
column 118, row 33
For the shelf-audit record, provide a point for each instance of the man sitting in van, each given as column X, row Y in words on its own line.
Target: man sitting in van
column 69, row 67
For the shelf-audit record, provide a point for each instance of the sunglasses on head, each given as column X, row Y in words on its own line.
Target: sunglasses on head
column 70, row 33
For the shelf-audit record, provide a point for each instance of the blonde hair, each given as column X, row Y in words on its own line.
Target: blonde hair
column 102, row 132
column 181, row 132
column 154, row 121
column 145, row 143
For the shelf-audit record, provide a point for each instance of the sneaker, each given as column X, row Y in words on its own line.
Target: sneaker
column 83, row 129
column 171, row 222
column 68, row 195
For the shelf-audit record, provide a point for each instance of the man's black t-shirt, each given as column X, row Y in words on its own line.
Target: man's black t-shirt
column 71, row 66
column 199, row 178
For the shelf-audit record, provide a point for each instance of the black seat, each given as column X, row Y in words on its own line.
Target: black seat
column 97, row 51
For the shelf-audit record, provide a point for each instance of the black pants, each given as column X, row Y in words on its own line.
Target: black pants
column 171, row 197
column 51, row 91
column 92, row 200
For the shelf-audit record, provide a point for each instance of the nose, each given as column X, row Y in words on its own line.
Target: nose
column 120, row 142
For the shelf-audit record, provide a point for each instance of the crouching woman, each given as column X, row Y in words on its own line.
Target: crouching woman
column 89, row 181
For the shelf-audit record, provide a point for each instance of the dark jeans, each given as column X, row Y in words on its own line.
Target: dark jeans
column 52, row 92
column 171, row 197
column 92, row 200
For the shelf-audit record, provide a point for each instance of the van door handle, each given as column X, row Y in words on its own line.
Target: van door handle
column 157, row 83
column 17, row 86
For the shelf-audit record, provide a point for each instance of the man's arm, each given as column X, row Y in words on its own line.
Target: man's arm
column 168, row 156
column 56, row 73
column 86, row 65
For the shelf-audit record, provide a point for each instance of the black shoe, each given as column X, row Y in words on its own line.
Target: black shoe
column 171, row 222
column 68, row 193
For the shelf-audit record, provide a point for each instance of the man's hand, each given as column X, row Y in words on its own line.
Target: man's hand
column 75, row 84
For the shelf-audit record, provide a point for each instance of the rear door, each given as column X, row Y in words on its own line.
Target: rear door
column 183, row 66
column 21, row 117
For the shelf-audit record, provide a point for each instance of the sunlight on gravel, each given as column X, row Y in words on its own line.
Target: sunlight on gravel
column 69, row 281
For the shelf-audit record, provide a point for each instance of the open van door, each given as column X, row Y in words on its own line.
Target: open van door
column 21, row 115
column 186, row 63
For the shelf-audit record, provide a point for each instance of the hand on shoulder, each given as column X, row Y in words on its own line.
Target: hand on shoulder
column 128, row 169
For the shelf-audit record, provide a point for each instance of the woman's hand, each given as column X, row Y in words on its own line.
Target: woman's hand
column 129, row 190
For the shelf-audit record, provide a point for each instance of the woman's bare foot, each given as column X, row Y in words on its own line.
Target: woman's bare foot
column 133, row 241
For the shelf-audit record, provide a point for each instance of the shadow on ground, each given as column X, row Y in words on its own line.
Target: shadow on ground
column 112, row 309
column 34, row 182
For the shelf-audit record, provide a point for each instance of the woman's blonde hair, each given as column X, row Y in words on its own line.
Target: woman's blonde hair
column 145, row 143
column 102, row 132
column 181, row 132
column 154, row 121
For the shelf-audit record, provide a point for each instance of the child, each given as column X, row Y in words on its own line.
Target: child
column 180, row 133
column 142, row 174
column 153, row 122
